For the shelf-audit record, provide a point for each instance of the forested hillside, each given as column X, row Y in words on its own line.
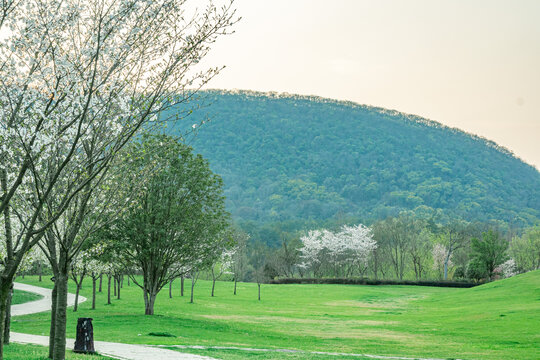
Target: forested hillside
column 286, row 158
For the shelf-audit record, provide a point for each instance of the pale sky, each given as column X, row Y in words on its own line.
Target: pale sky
column 474, row 65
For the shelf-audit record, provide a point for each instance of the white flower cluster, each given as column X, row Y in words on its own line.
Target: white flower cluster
column 328, row 253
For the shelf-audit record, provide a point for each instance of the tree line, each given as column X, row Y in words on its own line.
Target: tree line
column 403, row 248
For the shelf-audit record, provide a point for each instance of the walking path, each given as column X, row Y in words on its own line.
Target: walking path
column 113, row 350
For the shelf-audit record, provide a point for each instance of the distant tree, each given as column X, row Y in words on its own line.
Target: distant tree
column 525, row 250
column 221, row 265
column 339, row 253
column 489, row 252
column 420, row 251
column 394, row 236
column 258, row 258
column 239, row 258
column 453, row 237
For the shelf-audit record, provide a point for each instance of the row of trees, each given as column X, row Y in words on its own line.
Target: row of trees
column 79, row 82
column 405, row 247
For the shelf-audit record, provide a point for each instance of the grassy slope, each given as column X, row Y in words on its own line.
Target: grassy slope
column 500, row 320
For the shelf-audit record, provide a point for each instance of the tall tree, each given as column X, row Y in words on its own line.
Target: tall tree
column 174, row 223
column 78, row 81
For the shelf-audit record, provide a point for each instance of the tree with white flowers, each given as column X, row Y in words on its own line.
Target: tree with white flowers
column 79, row 79
column 220, row 266
column 342, row 253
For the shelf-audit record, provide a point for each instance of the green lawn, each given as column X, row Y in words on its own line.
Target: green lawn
column 20, row 297
column 500, row 320
column 34, row 352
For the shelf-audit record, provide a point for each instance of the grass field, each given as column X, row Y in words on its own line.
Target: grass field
column 20, row 297
column 500, row 320
column 32, row 352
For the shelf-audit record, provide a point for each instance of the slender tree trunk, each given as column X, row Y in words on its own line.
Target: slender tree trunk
column 59, row 352
column 128, row 280
column 77, row 296
column 235, row 285
column 94, row 280
column 259, row 286
column 100, row 282
column 170, row 289
column 446, row 260
column 213, row 286
column 54, row 297
column 109, row 290
column 115, row 282
column 121, row 281
column 40, row 270
column 192, row 287
column 182, row 286
column 118, row 283
column 7, row 322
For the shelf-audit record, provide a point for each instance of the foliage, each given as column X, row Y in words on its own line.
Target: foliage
column 488, row 253
column 287, row 159
column 525, row 250
column 343, row 253
column 177, row 222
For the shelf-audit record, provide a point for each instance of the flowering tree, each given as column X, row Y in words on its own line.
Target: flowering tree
column 221, row 265
column 78, row 81
column 441, row 261
column 507, row 269
column 337, row 254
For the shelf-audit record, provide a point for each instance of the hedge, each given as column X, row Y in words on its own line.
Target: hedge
column 366, row 281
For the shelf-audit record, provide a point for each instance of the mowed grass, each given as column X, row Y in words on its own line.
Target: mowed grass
column 500, row 320
column 33, row 352
column 20, row 297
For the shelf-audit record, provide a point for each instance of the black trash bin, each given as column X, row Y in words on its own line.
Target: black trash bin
column 84, row 342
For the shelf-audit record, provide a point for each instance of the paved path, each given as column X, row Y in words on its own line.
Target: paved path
column 114, row 350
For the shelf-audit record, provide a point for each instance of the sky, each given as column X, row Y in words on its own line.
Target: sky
column 474, row 65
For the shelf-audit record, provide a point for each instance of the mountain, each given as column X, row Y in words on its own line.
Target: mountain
column 298, row 158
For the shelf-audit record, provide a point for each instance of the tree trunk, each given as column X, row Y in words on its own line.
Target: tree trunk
column 4, row 293
column 235, row 285
column 259, row 286
column 109, row 290
column 59, row 351
column 121, row 282
column 77, row 296
column 118, row 284
column 149, row 301
column 7, row 321
column 192, row 286
column 115, row 281
column 94, row 280
column 170, row 289
column 182, row 286
column 213, row 286
column 54, row 297
column 446, row 260
column 128, row 280
column 100, row 282
column 40, row 270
